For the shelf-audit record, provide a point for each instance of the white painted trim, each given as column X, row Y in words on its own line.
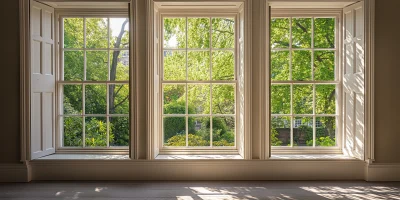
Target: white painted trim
column 265, row 13
column 86, row 4
column 370, row 80
column 248, row 42
column 151, row 135
column 383, row 172
column 14, row 173
column 310, row 4
column 24, row 7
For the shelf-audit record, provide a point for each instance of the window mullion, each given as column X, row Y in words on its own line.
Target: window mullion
column 313, row 79
column 107, row 84
column 314, row 116
column 211, row 116
column 83, row 116
column 83, row 85
column 186, row 85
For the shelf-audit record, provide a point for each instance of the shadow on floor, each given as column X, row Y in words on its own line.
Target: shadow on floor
column 201, row 190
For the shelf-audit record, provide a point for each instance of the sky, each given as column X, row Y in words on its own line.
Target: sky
column 116, row 24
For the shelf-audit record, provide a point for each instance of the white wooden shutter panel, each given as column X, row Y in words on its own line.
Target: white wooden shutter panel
column 353, row 80
column 42, row 80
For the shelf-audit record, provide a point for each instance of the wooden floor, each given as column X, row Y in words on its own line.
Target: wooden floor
column 276, row 190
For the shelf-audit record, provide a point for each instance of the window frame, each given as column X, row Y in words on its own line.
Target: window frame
column 312, row 13
column 59, row 31
column 190, row 82
column 210, row 49
column 225, row 7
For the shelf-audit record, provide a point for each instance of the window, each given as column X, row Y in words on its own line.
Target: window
column 198, row 82
column 304, row 80
column 94, row 82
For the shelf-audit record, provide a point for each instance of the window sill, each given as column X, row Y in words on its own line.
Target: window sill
column 199, row 157
column 84, row 157
column 312, row 157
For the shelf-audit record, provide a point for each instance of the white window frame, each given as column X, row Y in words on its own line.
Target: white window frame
column 87, row 13
column 142, row 140
column 312, row 13
column 225, row 8
column 210, row 82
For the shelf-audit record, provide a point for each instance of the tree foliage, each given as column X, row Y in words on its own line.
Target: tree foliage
column 199, row 63
column 301, row 64
column 101, row 65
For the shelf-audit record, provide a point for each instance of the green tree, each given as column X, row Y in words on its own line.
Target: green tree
column 323, row 69
column 97, row 35
column 202, row 65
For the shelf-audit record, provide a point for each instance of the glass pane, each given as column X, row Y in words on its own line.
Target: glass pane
column 199, row 98
column 73, row 65
column 301, row 32
column 324, row 33
column 280, row 131
column 325, row 99
column 301, row 64
column 324, row 65
column 223, row 65
column 280, row 32
column 174, row 33
column 174, row 99
column 199, row 65
column 95, row 99
column 174, row 65
column 119, row 32
column 73, row 32
column 199, row 131
column 303, row 99
column 119, row 131
column 223, row 131
column 199, row 33
column 280, row 65
column 118, row 99
column 326, row 131
column 303, row 131
column 96, row 33
column 223, row 33
column 72, row 101
column 223, row 99
column 73, row 129
column 96, row 65
column 280, row 99
column 174, row 131
column 119, row 65
column 96, row 131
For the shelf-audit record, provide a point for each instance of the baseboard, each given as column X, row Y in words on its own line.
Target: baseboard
column 198, row 170
column 18, row 172
column 383, row 172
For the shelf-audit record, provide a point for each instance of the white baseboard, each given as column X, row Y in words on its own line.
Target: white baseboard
column 14, row 172
column 383, row 172
column 198, row 170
